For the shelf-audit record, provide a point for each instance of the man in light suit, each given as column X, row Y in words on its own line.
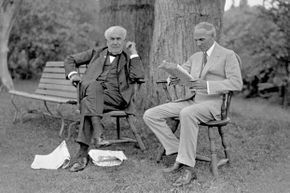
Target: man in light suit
column 217, row 70
column 108, row 84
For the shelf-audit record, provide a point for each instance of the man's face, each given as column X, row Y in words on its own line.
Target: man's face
column 202, row 39
column 115, row 43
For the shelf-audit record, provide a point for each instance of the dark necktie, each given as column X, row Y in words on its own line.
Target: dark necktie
column 203, row 63
column 111, row 54
column 204, row 59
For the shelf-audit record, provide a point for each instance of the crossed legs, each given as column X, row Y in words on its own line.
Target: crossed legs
column 155, row 119
column 190, row 114
column 95, row 100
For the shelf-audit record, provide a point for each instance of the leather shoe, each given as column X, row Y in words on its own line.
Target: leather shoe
column 80, row 164
column 185, row 178
column 176, row 167
column 83, row 152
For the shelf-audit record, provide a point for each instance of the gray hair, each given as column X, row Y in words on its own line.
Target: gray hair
column 208, row 27
column 116, row 29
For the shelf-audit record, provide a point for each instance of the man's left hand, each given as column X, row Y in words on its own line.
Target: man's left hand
column 198, row 84
column 131, row 46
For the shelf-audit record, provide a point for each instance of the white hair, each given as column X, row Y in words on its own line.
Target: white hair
column 116, row 29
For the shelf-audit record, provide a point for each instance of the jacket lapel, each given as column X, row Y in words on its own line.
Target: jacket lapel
column 211, row 60
column 100, row 62
column 122, row 60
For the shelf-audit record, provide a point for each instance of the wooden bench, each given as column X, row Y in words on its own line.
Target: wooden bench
column 53, row 87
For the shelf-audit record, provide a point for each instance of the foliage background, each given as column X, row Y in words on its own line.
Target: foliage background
column 48, row 31
column 260, row 36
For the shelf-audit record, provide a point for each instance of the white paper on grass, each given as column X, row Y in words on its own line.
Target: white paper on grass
column 107, row 157
column 54, row 160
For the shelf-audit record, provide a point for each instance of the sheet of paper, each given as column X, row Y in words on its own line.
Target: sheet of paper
column 54, row 160
column 176, row 70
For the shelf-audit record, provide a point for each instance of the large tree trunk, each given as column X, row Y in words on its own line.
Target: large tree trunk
column 162, row 29
column 8, row 10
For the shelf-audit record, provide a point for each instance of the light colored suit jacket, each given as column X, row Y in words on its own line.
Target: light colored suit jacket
column 222, row 71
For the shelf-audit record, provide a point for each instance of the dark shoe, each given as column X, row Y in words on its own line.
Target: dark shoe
column 82, row 152
column 176, row 167
column 100, row 142
column 80, row 164
column 185, row 178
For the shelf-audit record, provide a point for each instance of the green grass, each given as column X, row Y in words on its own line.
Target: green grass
column 258, row 135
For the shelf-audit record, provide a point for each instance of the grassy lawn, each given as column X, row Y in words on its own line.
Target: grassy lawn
column 259, row 138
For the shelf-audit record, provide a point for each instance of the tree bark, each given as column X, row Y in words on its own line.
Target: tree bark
column 8, row 10
column 162, row 30
column 173, row 34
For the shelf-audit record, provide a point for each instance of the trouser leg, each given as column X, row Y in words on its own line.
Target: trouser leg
column 92, row 99
column 86, row 131
column 97, row 126
column 94, row 102
column 190, row 117
column 155, row 118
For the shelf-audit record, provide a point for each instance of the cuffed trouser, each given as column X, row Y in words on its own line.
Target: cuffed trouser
column 190, row 114
column 95, row 100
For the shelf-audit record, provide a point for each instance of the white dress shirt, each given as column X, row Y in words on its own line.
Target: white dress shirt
column 209, row 52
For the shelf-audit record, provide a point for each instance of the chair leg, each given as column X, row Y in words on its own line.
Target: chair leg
column 17, row 110
column 58, row 111
column 138, row 137
column 213, row 151
column 118, row 127
column 224, row 143
column 70, row 129
column 160, row 153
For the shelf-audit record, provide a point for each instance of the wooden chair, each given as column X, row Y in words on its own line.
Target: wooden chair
column 128, row 115
column 212, row 125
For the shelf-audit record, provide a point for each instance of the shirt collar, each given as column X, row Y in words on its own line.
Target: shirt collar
column 112, row 55
column 209, row 51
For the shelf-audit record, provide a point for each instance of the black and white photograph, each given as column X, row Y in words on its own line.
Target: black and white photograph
column 144, row 96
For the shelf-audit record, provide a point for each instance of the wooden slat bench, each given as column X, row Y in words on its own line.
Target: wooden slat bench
column 53, row 88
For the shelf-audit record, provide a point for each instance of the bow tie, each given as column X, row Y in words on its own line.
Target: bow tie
column 111, row 54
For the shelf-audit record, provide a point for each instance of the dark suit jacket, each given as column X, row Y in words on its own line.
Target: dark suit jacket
column 129, row 70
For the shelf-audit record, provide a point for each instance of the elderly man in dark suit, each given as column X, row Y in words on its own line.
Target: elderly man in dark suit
column 106, row 85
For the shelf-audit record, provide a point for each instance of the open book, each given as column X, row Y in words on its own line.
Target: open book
column 176, row 70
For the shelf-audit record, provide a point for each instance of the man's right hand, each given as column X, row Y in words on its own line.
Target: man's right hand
column 75, row 79
column 172, row 80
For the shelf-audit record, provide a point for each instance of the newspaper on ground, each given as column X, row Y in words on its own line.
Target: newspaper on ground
column 107, row 157
column 58, row 158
